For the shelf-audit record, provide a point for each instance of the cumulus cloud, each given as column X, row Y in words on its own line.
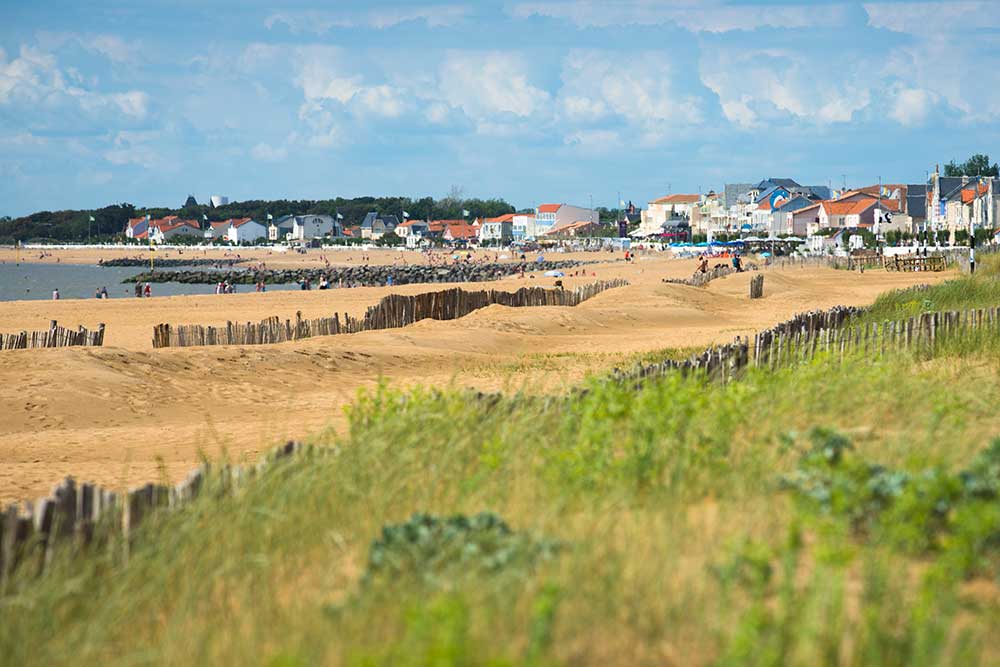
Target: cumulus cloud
column 784, row 82
column 487, row 83
column 34, row 80
column 639, row 87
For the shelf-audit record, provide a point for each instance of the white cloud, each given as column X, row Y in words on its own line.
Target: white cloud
column 267, row 153
column 911, row 106
column 601, row 141
column 639, row 87
column 785, row 81
column 487, row 83
column 133, row 103
column 35, row 80
column 132, row 147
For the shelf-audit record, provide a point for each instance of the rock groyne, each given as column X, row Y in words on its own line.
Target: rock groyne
column 144, row 261
column 359, row 276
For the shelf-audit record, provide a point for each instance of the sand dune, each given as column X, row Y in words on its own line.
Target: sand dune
column 126, row 413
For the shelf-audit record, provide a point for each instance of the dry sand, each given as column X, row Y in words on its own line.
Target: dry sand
column 313, row 257
column 126, row 413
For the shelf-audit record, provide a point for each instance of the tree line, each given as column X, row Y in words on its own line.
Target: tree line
column 75, row 225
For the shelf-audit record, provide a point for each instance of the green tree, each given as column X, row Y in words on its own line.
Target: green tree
column 977, row 165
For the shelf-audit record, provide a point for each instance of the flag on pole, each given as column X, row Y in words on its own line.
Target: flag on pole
column 405, row 214
column 465, row 214
column 340, row 217
column 270, row 217
column 92, row 219
column 204, row 217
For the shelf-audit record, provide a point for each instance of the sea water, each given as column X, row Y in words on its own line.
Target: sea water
column 33, row 281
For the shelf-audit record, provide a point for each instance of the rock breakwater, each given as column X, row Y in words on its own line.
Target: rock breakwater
column 359, row 276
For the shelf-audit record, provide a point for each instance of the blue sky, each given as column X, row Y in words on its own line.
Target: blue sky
column 110, row 101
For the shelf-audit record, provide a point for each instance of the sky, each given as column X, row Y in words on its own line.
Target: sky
column 533, row 101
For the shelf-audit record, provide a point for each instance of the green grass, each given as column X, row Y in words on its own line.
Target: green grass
column 643, row 526
column 979, row 291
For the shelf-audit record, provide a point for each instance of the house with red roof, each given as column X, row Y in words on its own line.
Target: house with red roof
column 498, row 230
column 548, row 216
column 673, row 207
column 135, row 227
column 462, row 232
column 171, row 227
column 245, row 230
column 574, row 229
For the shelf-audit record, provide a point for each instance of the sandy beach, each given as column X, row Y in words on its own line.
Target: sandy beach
column 313, row 257
column 126, row 413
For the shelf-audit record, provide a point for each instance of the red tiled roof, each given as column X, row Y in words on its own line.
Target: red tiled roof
column 579, row 224
column 216, row 225
column 462, row 231
column 177, row 224
column 549, row 208
column 239, row 222
column 509, row 217
column 677, row 199
column 839, row 207
column 969, row 194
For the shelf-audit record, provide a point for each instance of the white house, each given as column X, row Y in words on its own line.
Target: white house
column 306, row 227
column 497, row 230
column 414, row 228
column 523, row 226
column 245, row 230
column 161, row 231
column 671, row 207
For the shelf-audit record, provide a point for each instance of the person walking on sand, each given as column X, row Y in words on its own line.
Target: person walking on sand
column 703, row 264
column 148, row 291
column 138, row 290
column 104, row 292
column 55, row 294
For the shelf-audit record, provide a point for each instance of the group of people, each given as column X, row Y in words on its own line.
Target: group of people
column 101, row 293
column 737, row 263
column 225, row 287
column 141, row 291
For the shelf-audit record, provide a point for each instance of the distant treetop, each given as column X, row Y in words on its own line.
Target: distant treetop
column 977, row 165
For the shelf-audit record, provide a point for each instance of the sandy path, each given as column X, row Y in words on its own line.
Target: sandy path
column 126, row 413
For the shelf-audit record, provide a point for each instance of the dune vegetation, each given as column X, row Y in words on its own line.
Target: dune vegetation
column 829, row 513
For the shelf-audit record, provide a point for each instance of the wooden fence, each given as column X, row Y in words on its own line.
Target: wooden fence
column 829, row 332
column 391, row 312
column 915, row 263
column 54, row 336
column 757, row 287
column 86, row 515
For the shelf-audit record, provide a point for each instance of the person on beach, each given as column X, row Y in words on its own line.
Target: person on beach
column 138, row 290
column 97, row 293
column 703, row 264
column 148, row 291
column 104, row 292
column 737, row 263
column 55, row 294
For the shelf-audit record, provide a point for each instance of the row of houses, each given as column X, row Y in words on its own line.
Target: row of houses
column 781, row 206
column 235, row 230
column 546, row 221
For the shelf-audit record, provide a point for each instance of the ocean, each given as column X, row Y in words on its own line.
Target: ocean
column 27, row 281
